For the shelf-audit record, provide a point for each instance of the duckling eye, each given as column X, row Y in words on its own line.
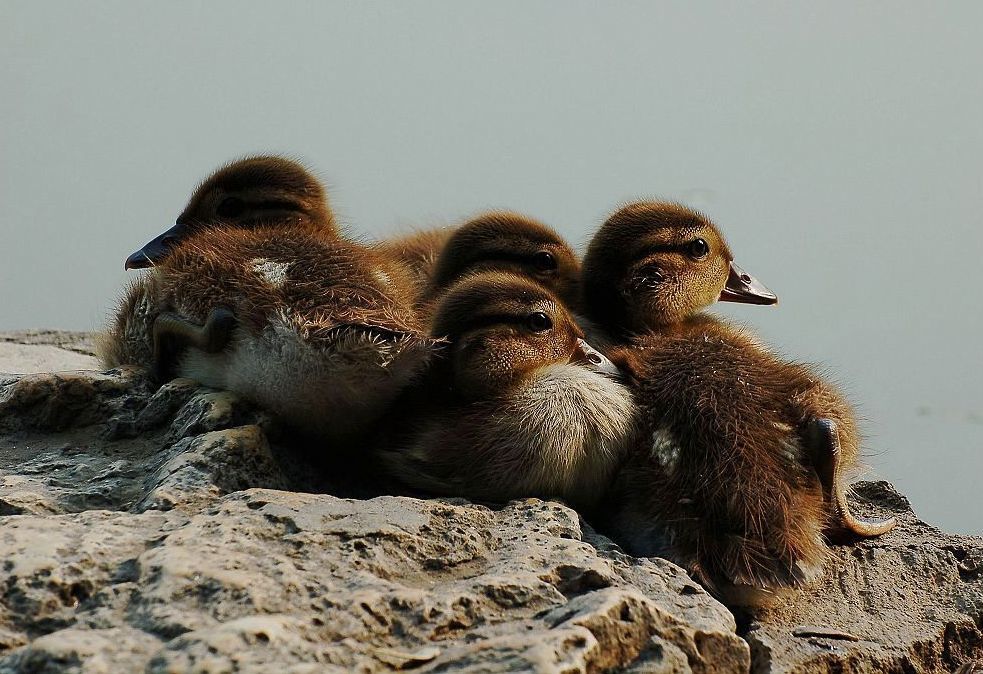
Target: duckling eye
column 544, row 261
column 539, row 322
column 699, row 249
column 230, row 207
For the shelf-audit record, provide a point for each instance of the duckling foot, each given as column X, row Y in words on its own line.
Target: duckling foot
column 824, row 442
column 174, row 333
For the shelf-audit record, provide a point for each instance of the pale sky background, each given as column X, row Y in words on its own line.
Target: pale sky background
column 838, row 144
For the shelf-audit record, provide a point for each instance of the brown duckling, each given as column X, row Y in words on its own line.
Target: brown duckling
column 510, row 242
column 316, row 329
column 322, row 335
column 739, row 473
column 517, row 405
column 244, row 193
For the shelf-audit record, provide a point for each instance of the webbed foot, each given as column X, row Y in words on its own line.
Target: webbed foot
column 824, row 442
column 173, row 333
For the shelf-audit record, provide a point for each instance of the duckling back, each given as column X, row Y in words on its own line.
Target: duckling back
column 723, row 478
column 326, row 335
column 418, row 252
column 127, row 339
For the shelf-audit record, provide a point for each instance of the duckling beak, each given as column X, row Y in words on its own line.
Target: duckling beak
column 156, row 248
column 592, row 359
column 744, row 288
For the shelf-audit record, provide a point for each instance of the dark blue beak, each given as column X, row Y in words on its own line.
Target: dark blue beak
column 156, row 249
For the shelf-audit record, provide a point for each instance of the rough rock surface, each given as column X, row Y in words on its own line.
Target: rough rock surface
column 911, row 601
column 175, row 531
column 153, row 529
column 46, row 351
column 69, row 340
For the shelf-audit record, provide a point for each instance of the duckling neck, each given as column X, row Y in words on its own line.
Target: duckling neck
column 695, row 322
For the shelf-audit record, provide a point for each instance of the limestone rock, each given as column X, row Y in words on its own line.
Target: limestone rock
column 911, row 601
column 46, row 350
column 153, row 528
column 263, row 577
column 173, row 530
column 69, row 340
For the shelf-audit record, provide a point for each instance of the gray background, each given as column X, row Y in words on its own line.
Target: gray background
column 838, row 145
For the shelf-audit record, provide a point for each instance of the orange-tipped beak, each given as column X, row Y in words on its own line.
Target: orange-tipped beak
column 744, row 288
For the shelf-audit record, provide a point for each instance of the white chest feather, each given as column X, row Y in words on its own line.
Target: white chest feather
column 272, row 273
column 330, row 392
column 665, row 450
column 575, row 426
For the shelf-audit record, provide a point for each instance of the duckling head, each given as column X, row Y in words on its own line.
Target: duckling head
column 503, row 328
column 265, row 190
column 653, row 264
column 509, row 242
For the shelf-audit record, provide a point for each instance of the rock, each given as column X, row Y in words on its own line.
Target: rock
column 31, row 351
column 70, row 340
column 911, row 601
column 25, row 358
column 264, row 576
column 174, row 531
column 153, row 528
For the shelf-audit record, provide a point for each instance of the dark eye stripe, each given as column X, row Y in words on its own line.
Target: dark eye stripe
column 682, row 248
column 506, row 256
column 275, row 205
column 230, row 207
column 490, row 320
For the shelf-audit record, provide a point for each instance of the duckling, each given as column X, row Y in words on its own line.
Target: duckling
column 318, row 332
column 317, row 329
column 739, row 472
column 506, row 241
column 518, row 404
column 246, row 193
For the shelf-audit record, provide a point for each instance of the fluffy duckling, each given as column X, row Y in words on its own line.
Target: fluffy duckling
column 739, row 469
column 245, row 193
column 314, row 328
column 322, row 334
column 508, row 242
column 519, row 405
